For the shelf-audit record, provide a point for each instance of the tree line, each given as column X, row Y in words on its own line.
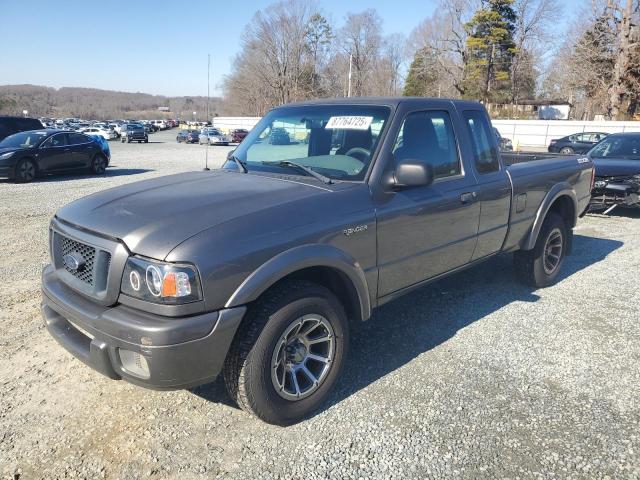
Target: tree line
column 91, row 103
column 496, row 51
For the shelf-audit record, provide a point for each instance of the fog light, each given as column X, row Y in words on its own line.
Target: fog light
column 134, row 363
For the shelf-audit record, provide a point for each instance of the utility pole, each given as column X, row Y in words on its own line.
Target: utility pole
column 206, row 150
column 350, row 68
column 208, row 83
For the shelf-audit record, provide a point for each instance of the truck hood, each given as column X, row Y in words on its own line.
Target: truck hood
column 154, row 216
column 612, row 167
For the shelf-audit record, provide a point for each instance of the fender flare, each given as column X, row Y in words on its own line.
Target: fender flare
column 298, row 258
column 557, row 191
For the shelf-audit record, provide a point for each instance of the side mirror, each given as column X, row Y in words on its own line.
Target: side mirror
column 412, row 173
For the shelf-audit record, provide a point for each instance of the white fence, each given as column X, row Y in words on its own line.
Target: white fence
column 229, row 123
column 523, row 133
column 538, row 133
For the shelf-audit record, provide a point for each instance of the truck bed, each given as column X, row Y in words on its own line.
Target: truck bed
column 533, row 177
column 510, row 158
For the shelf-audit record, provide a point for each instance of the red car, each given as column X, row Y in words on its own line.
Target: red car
column 238, row 135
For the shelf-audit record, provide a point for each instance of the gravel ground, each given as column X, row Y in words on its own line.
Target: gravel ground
column 475, row 376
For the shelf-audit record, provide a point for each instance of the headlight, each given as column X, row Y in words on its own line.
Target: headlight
column 160, row 282
column 4, row 156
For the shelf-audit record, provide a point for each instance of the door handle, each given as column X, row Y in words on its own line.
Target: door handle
column 468, row 197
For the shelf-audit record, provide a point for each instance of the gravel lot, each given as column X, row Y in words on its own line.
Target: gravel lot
column 476, row 376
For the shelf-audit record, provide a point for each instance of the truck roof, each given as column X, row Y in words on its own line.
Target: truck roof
column 386, row 101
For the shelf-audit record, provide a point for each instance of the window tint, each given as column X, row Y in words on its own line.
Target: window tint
column 76, row 138
column 428, row 137
column 58, row 140
column 484, row 142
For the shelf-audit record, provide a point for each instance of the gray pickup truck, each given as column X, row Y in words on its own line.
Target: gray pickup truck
column 258, row 269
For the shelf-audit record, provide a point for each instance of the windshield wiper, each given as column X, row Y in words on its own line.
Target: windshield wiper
column 307, row 170
column 241, row 166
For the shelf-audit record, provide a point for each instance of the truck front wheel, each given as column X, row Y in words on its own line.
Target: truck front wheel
column 288, row 353
column 540, row 267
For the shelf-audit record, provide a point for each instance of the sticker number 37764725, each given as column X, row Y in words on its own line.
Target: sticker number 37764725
column 350, row 122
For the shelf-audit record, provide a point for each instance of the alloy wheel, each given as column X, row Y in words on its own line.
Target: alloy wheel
column 553, row 251
column 303, row 357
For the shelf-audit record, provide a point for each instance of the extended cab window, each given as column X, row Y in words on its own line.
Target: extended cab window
column 428, row 137
column 484, row 143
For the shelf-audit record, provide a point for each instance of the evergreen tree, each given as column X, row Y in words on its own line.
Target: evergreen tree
column 491, row 49
column 422, row 79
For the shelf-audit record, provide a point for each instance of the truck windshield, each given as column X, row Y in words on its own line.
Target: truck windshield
column 622, row 146
column 336, row 141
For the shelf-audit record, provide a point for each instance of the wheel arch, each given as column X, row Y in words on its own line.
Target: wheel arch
column 323, row 264
column 562, row 200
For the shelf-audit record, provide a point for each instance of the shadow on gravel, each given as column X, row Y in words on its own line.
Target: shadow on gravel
column 405, row 328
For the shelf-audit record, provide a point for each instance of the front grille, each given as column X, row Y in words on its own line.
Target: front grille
column 69, row 246
column 95, row 270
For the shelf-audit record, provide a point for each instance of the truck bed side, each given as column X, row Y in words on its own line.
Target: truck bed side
column 537, row 186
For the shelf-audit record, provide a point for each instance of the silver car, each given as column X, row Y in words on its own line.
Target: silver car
column 213, row 136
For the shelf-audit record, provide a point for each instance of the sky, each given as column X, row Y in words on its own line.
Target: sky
column 151, row 46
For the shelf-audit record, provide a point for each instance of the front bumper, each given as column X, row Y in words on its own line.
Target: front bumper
column 180, row 352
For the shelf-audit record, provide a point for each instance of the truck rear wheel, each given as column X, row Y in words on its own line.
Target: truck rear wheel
column 288, row 353
column 540, row 267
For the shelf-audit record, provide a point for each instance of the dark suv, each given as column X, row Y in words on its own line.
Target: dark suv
column 134, row 132
column 11, row 125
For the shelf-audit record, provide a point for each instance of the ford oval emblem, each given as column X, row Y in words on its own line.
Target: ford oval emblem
column 74, row 261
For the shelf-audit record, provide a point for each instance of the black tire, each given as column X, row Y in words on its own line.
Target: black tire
column 123, row 140
column 531, row 266
column 248, row 368
column 567, row 151
column 98, row 164
column 146, row 140
column 26, row 171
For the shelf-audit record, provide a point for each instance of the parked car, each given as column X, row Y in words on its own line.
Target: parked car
column 161, row 124
column 238, row 134
column 105, row 133
column 617, row 172
column 25, row 155
column 212, row 136
column 188, row 136
column 134, row 132
column 576, row 143
column 11, row 125
column 279, row 136
column 310, row 241
column 504, row 143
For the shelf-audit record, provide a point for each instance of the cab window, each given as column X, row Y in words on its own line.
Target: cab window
column 428, row 137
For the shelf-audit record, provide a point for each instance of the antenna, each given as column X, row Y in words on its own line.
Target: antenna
column 206, row 148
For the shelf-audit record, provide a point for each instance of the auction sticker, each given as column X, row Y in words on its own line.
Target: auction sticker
column 349, row 122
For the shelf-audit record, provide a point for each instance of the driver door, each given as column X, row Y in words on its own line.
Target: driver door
column 54, row 153
column 426, row 231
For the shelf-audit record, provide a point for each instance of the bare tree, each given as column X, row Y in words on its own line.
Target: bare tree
column 444, row 36
column 623, row 77
column 361, row 38
column 534, row 24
